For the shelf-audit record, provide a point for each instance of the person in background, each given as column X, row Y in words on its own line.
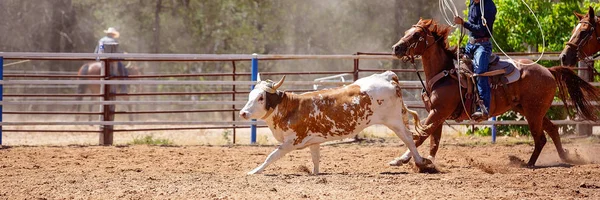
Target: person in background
column 479, row 47
column 111, row 37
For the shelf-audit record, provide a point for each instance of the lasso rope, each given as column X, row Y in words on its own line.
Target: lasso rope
column 481, row 6
column 444, row 5
column 449, row 5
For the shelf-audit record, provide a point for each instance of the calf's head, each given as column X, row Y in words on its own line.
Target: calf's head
column 262, row 100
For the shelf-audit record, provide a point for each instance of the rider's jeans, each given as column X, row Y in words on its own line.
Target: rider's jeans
column 481, row 54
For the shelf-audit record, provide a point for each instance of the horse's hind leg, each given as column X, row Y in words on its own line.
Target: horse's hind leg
column 77, row 107
column 552, row 131
column 130, row 109
column 535, row 120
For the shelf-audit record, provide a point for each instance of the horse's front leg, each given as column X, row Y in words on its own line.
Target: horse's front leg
column 434, row 124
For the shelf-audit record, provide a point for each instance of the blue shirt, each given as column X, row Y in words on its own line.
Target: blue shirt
column 475, row 24
column 105, row 39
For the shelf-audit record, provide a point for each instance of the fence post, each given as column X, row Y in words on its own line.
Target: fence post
column 106, row 137
column 254, row 72
column 356, row 69
column 494, row 130
column 1, row 94
column 585, row 129
column 233, row 99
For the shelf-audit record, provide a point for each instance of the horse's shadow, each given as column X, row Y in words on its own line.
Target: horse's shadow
column 556, row 165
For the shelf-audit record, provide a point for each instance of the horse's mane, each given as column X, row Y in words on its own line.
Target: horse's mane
column 440, row 33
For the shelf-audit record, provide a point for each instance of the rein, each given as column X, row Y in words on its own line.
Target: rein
column 427, row 46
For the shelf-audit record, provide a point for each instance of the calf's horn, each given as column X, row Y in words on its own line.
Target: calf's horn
column 278, row 84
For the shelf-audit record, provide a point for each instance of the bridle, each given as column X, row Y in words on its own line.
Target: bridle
column 412, row 47
column 581, row 55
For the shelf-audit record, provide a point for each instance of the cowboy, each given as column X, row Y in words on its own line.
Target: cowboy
column 481, row 19
column 111, row 37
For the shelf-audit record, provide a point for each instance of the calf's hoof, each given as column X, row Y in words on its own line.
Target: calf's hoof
column 254, row 172
column 399, row 161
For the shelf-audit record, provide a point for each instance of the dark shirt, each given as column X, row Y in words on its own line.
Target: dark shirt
column 475, row 24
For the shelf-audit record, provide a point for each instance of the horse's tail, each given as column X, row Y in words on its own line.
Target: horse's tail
column 579, row 91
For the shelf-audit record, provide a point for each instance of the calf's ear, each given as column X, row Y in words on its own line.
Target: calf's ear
column 258, row 77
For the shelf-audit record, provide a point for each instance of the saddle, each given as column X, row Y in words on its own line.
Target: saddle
column 501, row 73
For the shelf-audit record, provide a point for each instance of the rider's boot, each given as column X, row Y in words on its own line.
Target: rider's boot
column 481, row 113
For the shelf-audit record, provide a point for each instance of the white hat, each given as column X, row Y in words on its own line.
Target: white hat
column 113, row 31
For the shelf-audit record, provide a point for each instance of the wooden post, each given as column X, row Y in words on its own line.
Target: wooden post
column 585, row 74
column 106, row 136
column 356, row 68
column 233, row 99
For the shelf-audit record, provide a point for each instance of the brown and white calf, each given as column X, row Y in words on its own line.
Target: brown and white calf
column 309, row 119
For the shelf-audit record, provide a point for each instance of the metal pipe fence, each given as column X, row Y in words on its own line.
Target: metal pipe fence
column 244, row 77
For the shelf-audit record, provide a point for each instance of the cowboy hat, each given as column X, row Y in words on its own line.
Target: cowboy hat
column 113, row 31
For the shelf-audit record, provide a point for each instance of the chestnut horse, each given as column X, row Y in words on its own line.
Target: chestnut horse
column 585, row 40
column 95, row 68
column 533, row 93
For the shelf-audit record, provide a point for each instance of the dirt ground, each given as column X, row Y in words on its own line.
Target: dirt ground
column 471, row 168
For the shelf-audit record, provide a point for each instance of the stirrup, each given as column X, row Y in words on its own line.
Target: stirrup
column 479, row 116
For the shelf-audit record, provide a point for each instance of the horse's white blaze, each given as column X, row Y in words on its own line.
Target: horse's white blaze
column 576, row 31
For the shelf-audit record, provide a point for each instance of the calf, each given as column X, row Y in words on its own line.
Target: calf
column 309, row 119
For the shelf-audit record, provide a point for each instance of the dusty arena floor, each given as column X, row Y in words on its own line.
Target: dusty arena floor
column 470, row 169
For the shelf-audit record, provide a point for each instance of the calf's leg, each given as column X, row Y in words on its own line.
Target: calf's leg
column 315, row 153
column 403, row 134
column 284, row 148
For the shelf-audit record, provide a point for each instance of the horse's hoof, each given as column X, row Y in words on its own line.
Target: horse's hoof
column 530, row 166
column 427, row 167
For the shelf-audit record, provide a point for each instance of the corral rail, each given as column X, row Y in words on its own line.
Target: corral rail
column 237, row 76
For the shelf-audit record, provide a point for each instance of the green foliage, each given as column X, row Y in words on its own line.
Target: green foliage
column 150, row 140
column 225, row 136
column 480, row 131
column 516, row 30
column 512, row 130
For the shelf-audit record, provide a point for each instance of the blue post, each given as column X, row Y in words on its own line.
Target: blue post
column 1, row 93
column 254, row 72
column 494, row 130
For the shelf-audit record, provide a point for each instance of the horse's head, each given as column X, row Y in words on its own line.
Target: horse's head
column 585, row 39
column 415, row 40
column 419, row 38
